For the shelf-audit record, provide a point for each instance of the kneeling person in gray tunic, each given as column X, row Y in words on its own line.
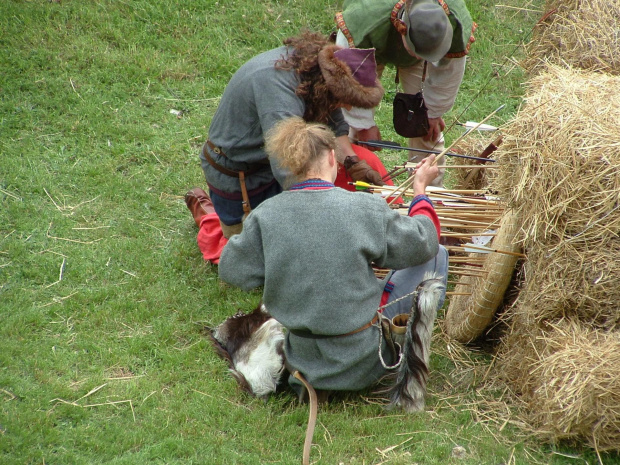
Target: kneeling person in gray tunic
column 312, row 249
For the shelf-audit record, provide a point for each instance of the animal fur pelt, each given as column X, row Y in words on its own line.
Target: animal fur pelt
column 252, row 344
column 341, row 83
column 409, row 382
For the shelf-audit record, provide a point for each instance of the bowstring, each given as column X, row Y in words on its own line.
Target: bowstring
column 397, row 300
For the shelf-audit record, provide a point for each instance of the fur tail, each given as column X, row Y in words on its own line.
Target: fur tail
column 410, row 387
column 253, row 346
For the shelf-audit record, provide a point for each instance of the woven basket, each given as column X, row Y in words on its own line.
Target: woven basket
column 469, row 315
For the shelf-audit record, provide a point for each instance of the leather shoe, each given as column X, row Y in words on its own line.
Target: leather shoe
column 199, row 204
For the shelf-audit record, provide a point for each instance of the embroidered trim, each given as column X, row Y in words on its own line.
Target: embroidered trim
column 474, row 26
column 389, row 287
column 398, row 23
column 345, row 30
column 472, row 39
column 312, row 184
column 444, row 6
column 419, row 198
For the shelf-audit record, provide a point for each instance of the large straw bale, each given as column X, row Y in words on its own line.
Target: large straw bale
column 560, row 171
column 561, row 155
column 569, row 376
column 580, row 33
column 574, row 280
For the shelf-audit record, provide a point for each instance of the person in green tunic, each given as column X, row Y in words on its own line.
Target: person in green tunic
column 406, row 34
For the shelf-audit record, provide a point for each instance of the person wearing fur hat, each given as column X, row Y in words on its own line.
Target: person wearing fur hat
column 309, row 77
column 408, row 34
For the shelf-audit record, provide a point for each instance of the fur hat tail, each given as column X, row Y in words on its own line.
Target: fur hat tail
column 409, row 389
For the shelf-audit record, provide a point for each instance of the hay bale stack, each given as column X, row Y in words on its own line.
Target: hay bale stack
column 569, row 381
column 560, row 174
column 580, row 33
column 560, row 171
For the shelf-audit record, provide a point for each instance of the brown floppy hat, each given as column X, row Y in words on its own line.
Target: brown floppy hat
column 351, row 75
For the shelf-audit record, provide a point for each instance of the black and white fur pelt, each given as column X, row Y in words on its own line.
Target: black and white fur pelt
column 252, row 343
column 409, row 388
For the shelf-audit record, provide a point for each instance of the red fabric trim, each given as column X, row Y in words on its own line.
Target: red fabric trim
column 345, row 30
column 474, row 26
column 384, row 299
column 444, row 6
column 472, row 39
column 426, row 208
column 398, row 24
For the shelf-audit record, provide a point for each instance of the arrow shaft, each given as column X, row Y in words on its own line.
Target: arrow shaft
column 411, row 149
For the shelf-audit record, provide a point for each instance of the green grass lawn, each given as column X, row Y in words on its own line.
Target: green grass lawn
column 104, row 106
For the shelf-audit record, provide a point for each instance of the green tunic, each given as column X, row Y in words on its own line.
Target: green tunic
column 377, row 24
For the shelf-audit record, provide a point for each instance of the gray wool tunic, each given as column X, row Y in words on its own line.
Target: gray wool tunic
column 256, row 98
column 312, row 250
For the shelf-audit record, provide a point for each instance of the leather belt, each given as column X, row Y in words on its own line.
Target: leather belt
column 253, row 168
column 241, row 174
column 309, row 335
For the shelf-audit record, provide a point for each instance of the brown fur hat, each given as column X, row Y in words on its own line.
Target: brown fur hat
column 342, row 83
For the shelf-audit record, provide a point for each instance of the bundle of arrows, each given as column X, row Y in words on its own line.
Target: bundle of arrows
column 469, row 219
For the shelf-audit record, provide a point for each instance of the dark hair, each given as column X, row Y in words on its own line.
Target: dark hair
column 320, row 103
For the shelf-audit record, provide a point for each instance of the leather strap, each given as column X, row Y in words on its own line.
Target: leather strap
column 397, row 77
column 309, row 335
column 366, row 326
column 311, row 416
column 234, row 174
column 244, row 193
column 222, row 169
column 312, row 397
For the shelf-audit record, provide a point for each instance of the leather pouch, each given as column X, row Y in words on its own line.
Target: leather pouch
column 410, row 115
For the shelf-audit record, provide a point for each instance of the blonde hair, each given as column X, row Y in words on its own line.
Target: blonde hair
column 298, row 146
